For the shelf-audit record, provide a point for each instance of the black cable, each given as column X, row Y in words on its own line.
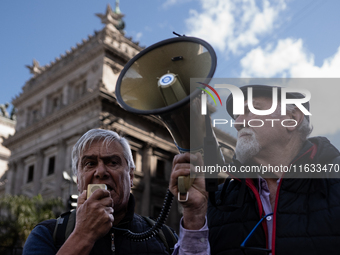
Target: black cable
column 143, row 236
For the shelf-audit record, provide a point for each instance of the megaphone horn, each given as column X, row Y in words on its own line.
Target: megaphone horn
column 156, row 82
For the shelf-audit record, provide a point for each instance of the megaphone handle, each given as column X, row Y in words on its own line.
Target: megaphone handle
column 184, row 184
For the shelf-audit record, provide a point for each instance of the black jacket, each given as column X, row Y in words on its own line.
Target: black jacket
column 123, row 245
column 306, row 216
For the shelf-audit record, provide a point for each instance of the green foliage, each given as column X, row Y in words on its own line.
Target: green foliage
column 19, row 215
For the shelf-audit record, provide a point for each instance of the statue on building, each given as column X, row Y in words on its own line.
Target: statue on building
column 12, row 115
column 35, row 68
column 113, row 17
column 3, row 110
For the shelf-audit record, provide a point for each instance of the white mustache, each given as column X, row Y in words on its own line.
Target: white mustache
column 245, row 131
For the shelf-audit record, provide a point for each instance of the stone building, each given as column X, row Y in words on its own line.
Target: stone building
column 69, row 96
column 7, row 127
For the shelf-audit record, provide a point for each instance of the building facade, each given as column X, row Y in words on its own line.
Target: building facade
column 71, row 95
column 7, row 127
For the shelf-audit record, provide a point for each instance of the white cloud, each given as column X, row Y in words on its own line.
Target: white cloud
column 231, row 25
column 271, row 62
column 329, row 69
column 290, row 59
column 139, row 36
column 169, row 3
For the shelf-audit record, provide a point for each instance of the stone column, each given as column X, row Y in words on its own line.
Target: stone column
column 10, row 178
column 146, row 165
column 25, row 118
column 19, row 179
column 44, row 107
column 60, row 166
column 38, row 171
column 65, row 95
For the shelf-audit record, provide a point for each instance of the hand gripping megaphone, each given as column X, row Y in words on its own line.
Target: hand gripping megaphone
column 156, row 82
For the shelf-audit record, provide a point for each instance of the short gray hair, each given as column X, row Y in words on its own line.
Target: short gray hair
column 107, row 136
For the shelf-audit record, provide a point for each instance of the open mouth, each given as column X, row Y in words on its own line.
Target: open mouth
column 109, row 188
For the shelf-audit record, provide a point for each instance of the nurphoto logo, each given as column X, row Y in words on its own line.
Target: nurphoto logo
column 204, row 97
column 238, row 99
column 239, row 106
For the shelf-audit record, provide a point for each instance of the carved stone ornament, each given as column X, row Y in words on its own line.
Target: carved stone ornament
column 111, row 17
column 35, row 68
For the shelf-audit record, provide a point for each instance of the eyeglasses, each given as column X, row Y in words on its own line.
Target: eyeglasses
column 243, row 244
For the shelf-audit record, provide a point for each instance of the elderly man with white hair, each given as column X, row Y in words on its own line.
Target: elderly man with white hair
column 291, row 208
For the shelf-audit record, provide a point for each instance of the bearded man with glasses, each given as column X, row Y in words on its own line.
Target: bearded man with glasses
column 292, row 207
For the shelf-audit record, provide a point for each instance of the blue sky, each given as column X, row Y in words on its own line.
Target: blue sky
column 283, row 38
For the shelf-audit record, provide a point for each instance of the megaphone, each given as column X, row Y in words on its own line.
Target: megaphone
column 156, row 82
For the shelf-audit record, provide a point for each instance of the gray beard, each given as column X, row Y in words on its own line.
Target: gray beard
column 246, row 148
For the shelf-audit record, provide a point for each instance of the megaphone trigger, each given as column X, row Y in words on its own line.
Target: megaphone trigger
column 184, row 184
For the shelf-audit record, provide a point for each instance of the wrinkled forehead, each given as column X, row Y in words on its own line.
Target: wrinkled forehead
column 263, row 103
column 265, row 93
column 101, row 145
column 260, row 101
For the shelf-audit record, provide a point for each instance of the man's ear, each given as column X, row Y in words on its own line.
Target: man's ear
column 80, row 191
column 297, row 116
column 131, row 176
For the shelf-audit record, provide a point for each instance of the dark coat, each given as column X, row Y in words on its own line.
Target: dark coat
column 306, row 216
column 41, row 241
